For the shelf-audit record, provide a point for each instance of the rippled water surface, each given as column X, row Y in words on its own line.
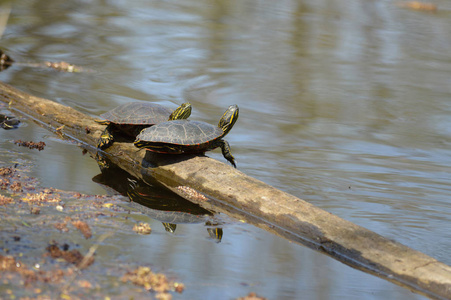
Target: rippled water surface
column 345, row 104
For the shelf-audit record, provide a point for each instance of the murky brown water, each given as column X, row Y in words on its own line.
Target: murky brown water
column 346, row 105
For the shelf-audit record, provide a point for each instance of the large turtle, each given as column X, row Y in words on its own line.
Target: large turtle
column 184, row 136
column 131, row 118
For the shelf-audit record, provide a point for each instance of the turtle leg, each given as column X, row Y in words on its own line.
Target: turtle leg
column 169, row 227
column 225, row 147
column 106, row 138
column 215, row 233
column 101, row 161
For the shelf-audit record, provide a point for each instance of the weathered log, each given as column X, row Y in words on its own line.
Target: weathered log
column 217, row 186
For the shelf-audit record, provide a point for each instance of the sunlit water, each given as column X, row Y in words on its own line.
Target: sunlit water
column 346, row 105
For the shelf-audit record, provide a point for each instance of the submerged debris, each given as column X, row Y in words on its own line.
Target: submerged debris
column 41, row 198
column 6, row 62
column 4, row 183
column 63, row 66
column 251, row 296
column 8, row 264
column 6, row 171
column 83, row 227
column 72, row 256
column 5, row 200
column 158, row 282
column 142, row 228
column 61, row 226
column 14, row 181
column 16, row 187
column 417, row 5
column 35, row 210
column 59, row 130
column 31, row 145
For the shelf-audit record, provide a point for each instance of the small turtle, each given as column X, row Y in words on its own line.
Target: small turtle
column 184, row 136
column 8, row 122
column 131, row 118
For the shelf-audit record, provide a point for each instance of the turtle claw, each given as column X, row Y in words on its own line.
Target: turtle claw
column 231, row 160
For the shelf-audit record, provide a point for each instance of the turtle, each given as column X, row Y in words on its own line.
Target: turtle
column 8, row 122
column 185, row 136
column 131, row 118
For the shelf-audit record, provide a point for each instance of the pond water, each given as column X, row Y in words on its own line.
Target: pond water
column 346, row 105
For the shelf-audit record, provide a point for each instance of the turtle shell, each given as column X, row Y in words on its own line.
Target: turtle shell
column 180, row 136
column 138, row 113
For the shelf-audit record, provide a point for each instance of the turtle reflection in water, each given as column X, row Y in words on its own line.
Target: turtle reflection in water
column 157, row 202
column 130, row 118
column 8, row 122
column 171, row 212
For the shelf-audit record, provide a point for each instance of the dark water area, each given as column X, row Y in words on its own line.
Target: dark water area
column 346, row 105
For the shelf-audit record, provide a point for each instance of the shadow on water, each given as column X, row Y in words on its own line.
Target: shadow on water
column 156, row 201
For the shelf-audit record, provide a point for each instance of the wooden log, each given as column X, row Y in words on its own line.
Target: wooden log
column 217, row 186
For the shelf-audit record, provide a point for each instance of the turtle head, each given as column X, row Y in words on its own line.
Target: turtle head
column 229, row 118
column 182, row 112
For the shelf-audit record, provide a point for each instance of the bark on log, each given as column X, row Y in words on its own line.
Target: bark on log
column 219, row 187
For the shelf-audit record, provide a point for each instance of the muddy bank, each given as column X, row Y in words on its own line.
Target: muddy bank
column 49, row 240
